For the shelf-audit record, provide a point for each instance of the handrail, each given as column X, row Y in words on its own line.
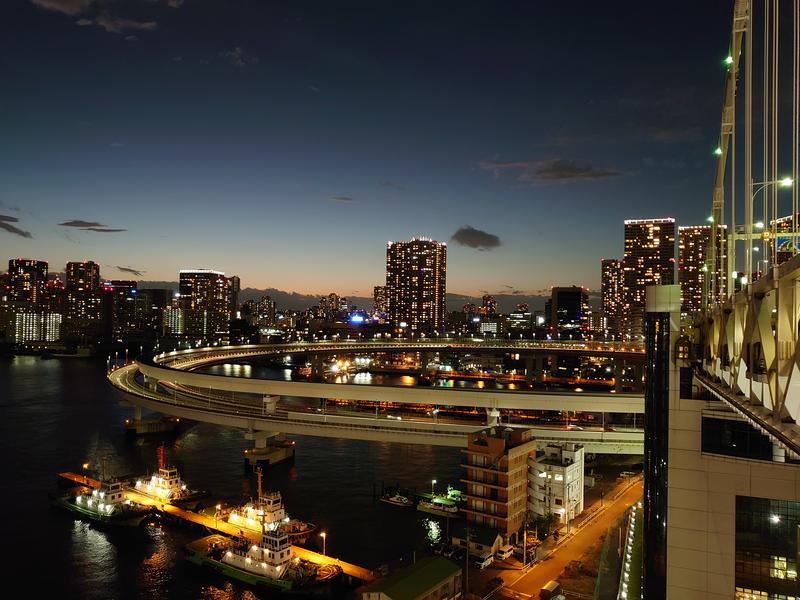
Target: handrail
column 768, row 426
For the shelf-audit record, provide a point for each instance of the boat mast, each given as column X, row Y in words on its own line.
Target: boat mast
column 259, row 474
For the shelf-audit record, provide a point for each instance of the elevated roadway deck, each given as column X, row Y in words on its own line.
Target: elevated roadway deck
column 251, row 415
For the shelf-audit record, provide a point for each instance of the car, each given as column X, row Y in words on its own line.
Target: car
column 505, row 552
column 483, row 561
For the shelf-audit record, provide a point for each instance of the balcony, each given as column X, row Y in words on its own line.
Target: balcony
column 487, row 499
column 487, row 469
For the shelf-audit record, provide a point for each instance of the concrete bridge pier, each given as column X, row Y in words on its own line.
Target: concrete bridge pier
column 492, row 417
column 269, row 405
column 317, row 367
column 534, row 368
column 151, row 383
column 269, row 447
column 618, row 366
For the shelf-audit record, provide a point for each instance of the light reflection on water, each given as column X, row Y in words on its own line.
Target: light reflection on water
column 59, row 414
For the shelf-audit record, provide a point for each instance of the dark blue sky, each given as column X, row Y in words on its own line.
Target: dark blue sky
column 287, row 142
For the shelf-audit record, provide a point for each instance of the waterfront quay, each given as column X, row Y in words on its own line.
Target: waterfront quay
column 221, row 526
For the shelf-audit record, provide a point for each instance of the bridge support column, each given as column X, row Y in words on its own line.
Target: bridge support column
column 617, row 376
column 317, row 367
column 492, row 417
column 137, row 413
column 152, row 383
column 778, row 453
column 529, row 370
column 269, row 405
column 268, row 448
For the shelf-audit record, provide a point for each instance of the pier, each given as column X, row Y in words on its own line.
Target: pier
column 220, row 526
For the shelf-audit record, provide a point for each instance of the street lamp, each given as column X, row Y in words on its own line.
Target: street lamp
column 324, row 537
column 756, row 187
column 433, row 483
column 218, row 507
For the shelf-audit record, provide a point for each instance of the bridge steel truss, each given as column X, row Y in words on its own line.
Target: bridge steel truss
column 750, row 336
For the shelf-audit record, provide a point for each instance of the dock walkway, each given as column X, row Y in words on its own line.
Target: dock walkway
column 221, row 526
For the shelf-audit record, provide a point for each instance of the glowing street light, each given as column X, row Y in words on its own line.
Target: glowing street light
column 710, row 218
column 433, row 483
column 728, row 60
column 324, row 537
column 786, row 182
column 718, row 151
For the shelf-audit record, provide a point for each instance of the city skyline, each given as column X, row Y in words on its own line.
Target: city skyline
column 293, row 136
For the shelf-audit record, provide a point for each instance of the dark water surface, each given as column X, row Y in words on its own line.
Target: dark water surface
column 58, row 414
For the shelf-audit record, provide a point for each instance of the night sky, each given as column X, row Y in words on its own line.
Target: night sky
column 286, row 142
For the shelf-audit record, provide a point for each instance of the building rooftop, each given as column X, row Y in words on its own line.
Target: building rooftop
column 417, row 580
column 481, row 535
column 511, row 435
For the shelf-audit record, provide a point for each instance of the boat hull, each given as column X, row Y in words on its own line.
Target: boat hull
column 438, row 511
column 132, row 518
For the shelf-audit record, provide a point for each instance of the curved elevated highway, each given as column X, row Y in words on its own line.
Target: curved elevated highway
column 170, row 386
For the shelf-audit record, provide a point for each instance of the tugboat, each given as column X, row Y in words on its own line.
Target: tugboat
column 167, row 486
column 269, row 510
column 268, row 564
column 438, row 506
column 105, row 504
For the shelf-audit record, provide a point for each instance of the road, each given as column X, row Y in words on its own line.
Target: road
column 576, row 546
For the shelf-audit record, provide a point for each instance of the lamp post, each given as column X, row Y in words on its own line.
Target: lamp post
column 756, row 187
column 433, row 483
column 217, row 508
column 324, row 537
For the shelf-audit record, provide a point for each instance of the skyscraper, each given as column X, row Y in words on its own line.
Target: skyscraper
column 205, row 299
column 234, row 287
column 569, row 308
column 26, row 280
column 83, row 298
column 82, row 276
column 379, row 300
column 611, row 295
column 416, row 273
column 649, row 260
column 693, row 242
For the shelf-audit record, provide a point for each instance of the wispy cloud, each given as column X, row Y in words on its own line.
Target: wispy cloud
column 114, row 24
column 238, row 57
column 342, row 199
column 475, row 238
column 677, row 135
column 5, row 224
column 547, row 171
column 131, row 38
column 90, row 226
column 314, row 89
column 80, row 224
column 67, row 7
column 94, row 12
column 13, row 207
column 130, row 270
column 175, row 3
column 393, row 184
